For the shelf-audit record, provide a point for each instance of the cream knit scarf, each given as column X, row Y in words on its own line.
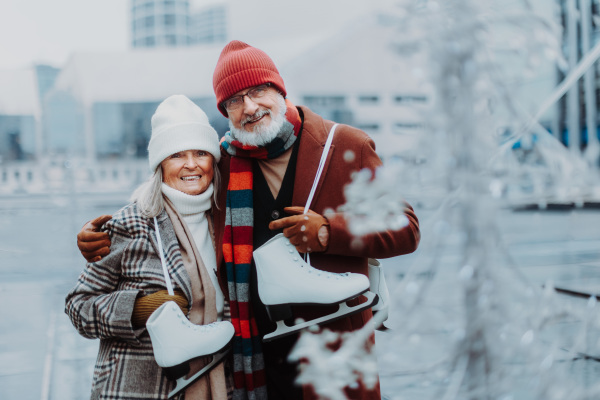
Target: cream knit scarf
column 193, row 211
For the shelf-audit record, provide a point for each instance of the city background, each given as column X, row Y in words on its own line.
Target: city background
column 92, row 112
column 74, row 126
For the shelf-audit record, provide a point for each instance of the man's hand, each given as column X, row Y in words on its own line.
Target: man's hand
column 308, row 232
column 92, row 243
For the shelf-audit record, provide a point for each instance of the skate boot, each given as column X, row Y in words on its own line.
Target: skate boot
column 284, row 279
column 176, row 341
column 379, row 287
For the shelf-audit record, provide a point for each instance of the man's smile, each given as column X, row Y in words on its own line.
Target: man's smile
column 255, row 118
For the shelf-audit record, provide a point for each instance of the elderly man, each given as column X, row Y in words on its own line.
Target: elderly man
column 270, row 159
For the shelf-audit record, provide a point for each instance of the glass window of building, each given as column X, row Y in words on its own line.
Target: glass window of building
column 139, row 23
column 410, row 99
column 150, row 41
column 324, row 101
column 149, row 21
column 169, row 6
column 370, row 127
column 170, row 40
column 408, row 125
column 170, row 19
column 368, row 99
column 405, row 127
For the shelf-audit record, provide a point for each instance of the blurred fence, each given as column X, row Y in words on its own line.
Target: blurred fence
column 71, row 176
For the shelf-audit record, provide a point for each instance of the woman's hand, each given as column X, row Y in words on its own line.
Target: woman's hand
column 144, row 306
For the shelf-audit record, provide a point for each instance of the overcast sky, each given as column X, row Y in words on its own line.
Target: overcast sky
column 47, row 31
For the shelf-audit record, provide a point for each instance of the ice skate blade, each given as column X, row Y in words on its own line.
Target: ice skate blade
column 344, row 310
column 182, row 382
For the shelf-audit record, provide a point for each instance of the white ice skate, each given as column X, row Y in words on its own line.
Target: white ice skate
column 176, row 341
column 379, row 287
column 284, row 279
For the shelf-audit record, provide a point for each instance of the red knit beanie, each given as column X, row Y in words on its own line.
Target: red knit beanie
column 241, row 66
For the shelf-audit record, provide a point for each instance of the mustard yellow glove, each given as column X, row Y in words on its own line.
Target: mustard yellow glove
column 144, row 306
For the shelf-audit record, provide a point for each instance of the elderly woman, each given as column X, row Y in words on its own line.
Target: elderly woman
column 169, row 218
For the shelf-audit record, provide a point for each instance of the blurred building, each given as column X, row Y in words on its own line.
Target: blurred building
column 98, row 107
column 101, row 104
column 174, row 23
column 577, row 114
column 208, row 24
column 21, row 136
column 378, row 91
column 160, row 23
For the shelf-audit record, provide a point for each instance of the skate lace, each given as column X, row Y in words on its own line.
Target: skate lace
column 310, row 269
column 202, row 328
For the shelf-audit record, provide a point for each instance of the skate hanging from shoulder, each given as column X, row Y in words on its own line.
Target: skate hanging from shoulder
column 176, row 340
column 285, row 279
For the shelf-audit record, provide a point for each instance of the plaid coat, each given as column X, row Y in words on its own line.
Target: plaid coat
column 101, row 303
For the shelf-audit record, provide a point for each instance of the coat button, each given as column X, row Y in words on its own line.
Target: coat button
column 275, row 214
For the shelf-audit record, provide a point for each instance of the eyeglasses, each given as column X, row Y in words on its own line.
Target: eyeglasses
column 235, row 102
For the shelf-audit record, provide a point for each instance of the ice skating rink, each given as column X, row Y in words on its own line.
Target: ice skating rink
column 43, row 357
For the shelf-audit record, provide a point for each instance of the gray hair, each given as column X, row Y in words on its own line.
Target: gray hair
column 149, row 196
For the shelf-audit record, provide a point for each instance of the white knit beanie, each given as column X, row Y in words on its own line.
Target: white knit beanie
column 178, row 125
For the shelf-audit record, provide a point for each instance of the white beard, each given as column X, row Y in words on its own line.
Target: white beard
column 261, row 135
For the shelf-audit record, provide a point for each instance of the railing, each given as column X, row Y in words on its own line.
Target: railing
column 72, row 176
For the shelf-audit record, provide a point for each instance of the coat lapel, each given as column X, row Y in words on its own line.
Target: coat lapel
column 312, row 144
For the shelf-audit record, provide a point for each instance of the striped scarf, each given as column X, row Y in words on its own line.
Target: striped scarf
column 248, row 364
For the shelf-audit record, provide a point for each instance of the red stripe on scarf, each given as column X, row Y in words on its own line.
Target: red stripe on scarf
column 245, row 326
column 256, row 379
column 242, row 253
column 233, row 304
column 227, row 252
column 240, row 181
column 242, row 235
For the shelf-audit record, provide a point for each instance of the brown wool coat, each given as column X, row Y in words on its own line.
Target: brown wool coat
column 340, row 256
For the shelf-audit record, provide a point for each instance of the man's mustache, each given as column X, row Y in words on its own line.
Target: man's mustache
column 257, row 115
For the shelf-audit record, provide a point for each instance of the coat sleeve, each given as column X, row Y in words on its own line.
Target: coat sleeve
column 95, row 306
column 377, row 245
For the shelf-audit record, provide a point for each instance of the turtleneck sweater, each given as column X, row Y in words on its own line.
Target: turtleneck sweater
column 193, row 211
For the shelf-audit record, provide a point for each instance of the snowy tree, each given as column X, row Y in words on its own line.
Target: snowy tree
column 482, row 151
